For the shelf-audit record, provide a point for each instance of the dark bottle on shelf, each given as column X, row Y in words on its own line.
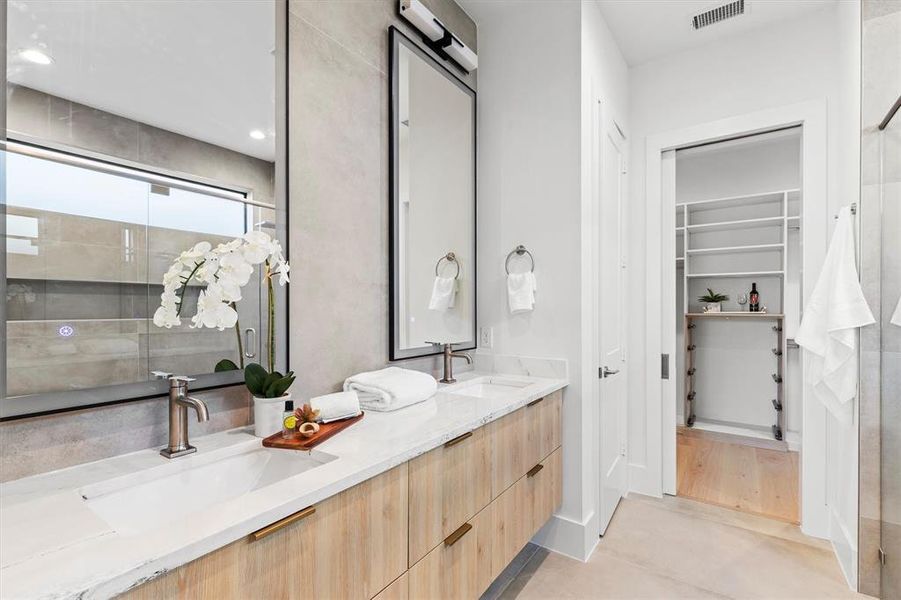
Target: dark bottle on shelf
column 754, row 299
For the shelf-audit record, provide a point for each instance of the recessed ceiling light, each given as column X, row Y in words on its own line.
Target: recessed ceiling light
column 257, row 134
column 38, row 57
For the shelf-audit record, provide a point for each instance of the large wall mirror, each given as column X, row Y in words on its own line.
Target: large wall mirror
column 135, row 130
column 433, row 201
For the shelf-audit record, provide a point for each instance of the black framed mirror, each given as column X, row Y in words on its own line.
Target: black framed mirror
column 433, row 204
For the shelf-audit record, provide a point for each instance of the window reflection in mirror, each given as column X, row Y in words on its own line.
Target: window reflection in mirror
column 136, row 130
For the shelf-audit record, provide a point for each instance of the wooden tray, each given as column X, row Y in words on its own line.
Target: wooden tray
column 326, row 430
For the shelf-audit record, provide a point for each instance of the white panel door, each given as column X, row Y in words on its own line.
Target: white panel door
column 612, row 388
column 668, row 322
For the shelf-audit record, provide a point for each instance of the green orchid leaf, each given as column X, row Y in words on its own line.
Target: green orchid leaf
column 254, row 377
column 225, row 365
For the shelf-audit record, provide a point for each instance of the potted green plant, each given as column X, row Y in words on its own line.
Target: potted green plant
column 713, row 301
column 223, row 271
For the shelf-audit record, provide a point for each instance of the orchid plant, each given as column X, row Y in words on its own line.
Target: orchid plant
column 224, row 270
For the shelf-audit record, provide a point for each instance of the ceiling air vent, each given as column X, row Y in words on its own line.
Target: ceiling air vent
column 720, row 13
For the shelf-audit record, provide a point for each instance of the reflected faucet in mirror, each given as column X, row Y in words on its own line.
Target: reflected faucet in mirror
column 179, row 401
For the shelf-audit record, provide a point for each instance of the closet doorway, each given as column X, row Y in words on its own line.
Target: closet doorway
column 737, row 301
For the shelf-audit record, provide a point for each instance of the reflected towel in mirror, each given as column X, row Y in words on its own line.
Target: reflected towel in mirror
column 521, row 288
column 444, row 293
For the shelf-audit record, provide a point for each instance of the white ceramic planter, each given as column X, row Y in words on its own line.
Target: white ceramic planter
column 267, row 415
column 714, row 307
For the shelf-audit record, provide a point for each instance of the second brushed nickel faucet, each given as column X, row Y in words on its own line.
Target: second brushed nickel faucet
column 449, row 356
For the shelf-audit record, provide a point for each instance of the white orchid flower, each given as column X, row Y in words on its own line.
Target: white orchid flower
column 282, row 269
column 230, row 289
column 233, row 266
column 212, row 311
column 257, row 247
column 229, row 247
column 167, row 317
column 173, row 277
column 195, row 254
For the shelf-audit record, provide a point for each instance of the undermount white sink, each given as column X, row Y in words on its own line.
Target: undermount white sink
column 140, row 504
column 490, row 387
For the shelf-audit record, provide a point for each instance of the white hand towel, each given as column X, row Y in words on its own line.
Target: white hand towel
column 444, row 292
column 896, row 317
column 521, row 291
column 391, row 388
column 334, row 407
column 836, row 309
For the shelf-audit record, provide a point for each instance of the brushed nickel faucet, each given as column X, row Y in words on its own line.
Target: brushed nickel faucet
column 179, row 402
column 449, row 356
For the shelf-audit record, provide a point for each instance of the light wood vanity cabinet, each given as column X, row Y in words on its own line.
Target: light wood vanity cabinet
column 448, row 485
column 441, row 526
column 522, row 439
column 351, row 545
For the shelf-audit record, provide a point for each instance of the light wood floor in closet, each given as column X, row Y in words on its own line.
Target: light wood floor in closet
column 738, row 473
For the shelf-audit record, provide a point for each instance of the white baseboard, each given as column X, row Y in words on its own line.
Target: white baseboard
column 569, row 537
column 845, row 547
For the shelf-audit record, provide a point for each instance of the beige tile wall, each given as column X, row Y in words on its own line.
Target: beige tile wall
column 338, row 174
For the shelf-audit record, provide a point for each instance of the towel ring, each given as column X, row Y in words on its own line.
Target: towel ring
column 519, row 251
column 449, row 257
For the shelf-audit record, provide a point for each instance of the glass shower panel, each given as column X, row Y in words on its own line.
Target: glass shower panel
column 76, row 261
column 890, row 148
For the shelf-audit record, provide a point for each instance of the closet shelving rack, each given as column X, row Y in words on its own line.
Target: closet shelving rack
column 691, row 320
column 735, row 237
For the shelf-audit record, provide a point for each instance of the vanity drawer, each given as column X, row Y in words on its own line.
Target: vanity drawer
column 544, row 426
column 351, row 545
column 522, row 439
column 524, row 507
column 448, row 485
column 460, row 568
column 398, row 590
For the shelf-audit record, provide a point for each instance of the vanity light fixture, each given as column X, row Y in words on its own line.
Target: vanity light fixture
column 35, row 55
column 438, row 37
column 257, row 134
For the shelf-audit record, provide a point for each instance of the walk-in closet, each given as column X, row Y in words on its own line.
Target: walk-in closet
column 737, row 207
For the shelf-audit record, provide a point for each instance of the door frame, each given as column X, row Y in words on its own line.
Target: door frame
column 601, row 115
column 657, row 475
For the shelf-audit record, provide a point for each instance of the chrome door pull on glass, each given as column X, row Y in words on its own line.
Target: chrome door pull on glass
column 250, row 340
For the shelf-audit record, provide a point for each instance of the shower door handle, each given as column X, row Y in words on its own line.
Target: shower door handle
column 250, row 339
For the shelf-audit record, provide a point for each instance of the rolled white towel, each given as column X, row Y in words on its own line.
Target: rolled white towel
column 444, row 292
column 391, row 388
column 337, row 406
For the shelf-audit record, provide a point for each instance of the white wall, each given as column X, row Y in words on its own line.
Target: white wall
column 800, row 60
column 530, row 110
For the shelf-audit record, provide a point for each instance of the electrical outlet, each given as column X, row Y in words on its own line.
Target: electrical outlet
column 486, row 337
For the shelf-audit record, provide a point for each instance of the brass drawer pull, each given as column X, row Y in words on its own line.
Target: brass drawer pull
column 272, row 528
column 534, row 402
column 457, row 439
column 455, row 536
column 534, row 470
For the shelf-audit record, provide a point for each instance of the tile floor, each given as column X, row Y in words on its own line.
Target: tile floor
column 678, row 548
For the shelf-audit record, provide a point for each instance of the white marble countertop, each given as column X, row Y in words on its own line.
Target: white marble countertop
column 52, row 545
